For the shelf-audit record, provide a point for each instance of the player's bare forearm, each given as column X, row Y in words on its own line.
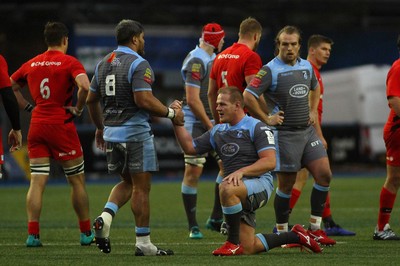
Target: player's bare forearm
column 95, row 111
column 314, row 98
column 253, row 106
column 200, row 113
column 394, row 103
column 184, row 139
column 212, row 99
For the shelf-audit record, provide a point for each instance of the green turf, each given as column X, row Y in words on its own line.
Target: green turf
column 354, row 203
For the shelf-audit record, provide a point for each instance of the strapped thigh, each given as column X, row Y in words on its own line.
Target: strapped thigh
column 40, row 169
column 75, row 170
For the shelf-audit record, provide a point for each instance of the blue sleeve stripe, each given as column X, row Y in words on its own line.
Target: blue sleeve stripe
column 143, row 89
column 192, row 85
column 133, row 67
column 255, row 95
column 266, row 148
column 96, row 72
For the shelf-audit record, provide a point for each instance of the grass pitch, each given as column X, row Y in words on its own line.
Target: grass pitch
column 354, row 203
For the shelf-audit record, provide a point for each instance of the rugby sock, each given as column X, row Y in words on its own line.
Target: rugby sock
column 318, row 199
column 216, row 213
column 386, row 202
column 271, row 241
column 328, row 222
column 294, row 198
column 327, row 209
column 189, row 196
column 281, row 206
column 232, row 218
column 111, row 208
column 33, row 228
column 85, row 226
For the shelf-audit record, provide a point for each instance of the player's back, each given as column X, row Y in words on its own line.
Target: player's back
column 51, row 81
column 232, row 65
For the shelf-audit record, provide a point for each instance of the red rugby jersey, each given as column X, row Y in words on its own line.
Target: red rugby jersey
column 51, row 80
column 232, row 65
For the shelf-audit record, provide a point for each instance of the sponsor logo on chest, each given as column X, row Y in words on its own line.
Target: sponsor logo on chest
column 299, row 91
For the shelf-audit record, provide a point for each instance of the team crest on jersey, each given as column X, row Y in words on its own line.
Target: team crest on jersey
column 305, row 75
column 147, row 76
column 230, row 149
column 196, row 71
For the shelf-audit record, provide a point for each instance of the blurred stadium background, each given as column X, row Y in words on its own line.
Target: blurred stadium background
column 364, row 32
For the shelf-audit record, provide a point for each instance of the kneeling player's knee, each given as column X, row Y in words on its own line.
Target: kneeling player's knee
column 225, row 189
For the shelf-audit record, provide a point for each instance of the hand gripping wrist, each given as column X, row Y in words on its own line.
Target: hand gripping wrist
column 171, row 113
column 79, row 111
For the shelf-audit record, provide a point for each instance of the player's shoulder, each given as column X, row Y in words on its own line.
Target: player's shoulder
column 396, row 64
column 2, row 60
column 304, row 62
column 254, row 121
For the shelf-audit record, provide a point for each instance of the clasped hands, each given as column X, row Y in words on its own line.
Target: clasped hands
column 178, row 120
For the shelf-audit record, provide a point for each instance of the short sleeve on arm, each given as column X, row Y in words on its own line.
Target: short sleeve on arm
column 203, row 143
column 194, row 73
column 261, row 82
column 142, row 76
column 253, row 65
column 263, row 137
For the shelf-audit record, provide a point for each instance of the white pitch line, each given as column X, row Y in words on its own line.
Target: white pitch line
column 192, row 243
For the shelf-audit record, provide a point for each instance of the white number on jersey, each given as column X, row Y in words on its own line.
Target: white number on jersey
column 110, row 85
column 44, row 89
column 224, row 74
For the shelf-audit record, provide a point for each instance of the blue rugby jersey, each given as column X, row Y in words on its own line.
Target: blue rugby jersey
column 286, row 88
column 237, row 146
column 117, row 76
column 195, row 72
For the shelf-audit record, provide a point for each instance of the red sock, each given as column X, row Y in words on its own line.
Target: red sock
column 33, row 228
column 294, row 197
column 386, row 202
column 327, row 208
column 85, row 226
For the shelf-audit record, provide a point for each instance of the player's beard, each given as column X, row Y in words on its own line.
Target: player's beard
column 141, row 49
column 256, row 46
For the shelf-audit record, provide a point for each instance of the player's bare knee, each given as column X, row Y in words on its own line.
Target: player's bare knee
column 225, row 190
column 324, row 179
